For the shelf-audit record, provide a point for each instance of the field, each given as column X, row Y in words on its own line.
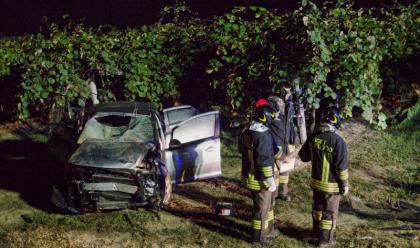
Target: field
column 384, row 165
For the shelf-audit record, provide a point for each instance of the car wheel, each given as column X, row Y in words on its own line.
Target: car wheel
column 168, row 190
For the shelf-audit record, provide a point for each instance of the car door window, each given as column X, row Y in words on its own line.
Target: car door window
column 197, row 128
column 174, row 116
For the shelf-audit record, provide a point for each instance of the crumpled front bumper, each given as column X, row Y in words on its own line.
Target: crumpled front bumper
column 106, row 190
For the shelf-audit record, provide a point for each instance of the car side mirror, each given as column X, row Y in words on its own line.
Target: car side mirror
column 174, row 143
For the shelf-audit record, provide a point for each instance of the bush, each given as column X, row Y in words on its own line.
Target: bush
column 335, row 50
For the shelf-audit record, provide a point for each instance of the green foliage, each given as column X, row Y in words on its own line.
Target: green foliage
column 412, row 118
column 349, row 46
column 333, row 48
column 243, row 55
column 56, row 68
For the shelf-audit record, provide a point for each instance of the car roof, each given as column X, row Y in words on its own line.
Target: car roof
column 141, row 108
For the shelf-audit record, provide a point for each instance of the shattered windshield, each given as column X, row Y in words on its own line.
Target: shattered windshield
column 118, row 127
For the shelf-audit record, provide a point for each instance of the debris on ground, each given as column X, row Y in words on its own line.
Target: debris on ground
column 402, row 210
column 412, row 236
column 402, row 227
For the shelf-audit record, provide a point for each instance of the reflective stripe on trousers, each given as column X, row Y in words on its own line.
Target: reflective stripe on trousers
column 325, row 210
column 262, row 215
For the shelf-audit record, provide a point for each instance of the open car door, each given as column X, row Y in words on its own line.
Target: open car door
column 194, row 148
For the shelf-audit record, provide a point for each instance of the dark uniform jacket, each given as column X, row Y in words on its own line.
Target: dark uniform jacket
column 283, row 129
column 257, row 158
column 278, row 130
column 328, row 153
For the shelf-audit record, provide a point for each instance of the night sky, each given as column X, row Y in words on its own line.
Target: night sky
column 25, row 16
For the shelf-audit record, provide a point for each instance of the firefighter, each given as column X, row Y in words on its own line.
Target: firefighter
column 279, row 131
column 258, row 155
column 328, row 153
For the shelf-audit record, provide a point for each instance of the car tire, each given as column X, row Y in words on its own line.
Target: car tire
column 167, row 194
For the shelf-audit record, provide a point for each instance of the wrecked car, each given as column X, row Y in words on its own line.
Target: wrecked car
column 127, row 155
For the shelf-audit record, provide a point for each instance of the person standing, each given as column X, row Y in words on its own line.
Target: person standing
column 258, row 155
column 329, row 180
column 280, row 129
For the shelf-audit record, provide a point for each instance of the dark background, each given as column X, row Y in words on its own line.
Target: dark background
column 25, row 16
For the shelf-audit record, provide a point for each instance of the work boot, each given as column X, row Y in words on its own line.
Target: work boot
column 266, row 242
column 284, row 192
column 327, row 238
column 286, row 198
column 324, row 244
column 316, row 230
column 273, row 234
column 262, row 238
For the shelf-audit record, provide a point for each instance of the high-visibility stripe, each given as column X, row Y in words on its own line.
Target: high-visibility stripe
column 265, row 226
column 250, row 186
column 326, row 224
column 292, row 148
column 343, row 175
column 324, row 187
column 316, row 215
column 283, row 179
column 253, row 184
column 277, row 180
column 256, row 224
column 270, row 215
column 322, row 184
column 267, row 171
column 325, row 170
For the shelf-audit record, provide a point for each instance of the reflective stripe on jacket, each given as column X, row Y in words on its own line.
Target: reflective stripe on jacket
column 328, row 153
column 257, row 157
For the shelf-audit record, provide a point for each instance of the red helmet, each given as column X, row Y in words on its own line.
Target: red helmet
column 260, row 102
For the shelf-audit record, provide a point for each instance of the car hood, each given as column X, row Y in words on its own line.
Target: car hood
column 109, row 154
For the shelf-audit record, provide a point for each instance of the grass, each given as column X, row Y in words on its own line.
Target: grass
column 382, row 165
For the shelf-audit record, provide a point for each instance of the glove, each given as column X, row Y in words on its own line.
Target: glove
column 344, row 190
column 271, row 184
column 344, row 187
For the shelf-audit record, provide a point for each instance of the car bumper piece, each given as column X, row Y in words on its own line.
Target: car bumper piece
column 119, row 187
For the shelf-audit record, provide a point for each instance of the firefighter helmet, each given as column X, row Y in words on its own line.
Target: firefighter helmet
column 332, row 117
column 264, row 114
column 260, row 102
column 277, row 104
